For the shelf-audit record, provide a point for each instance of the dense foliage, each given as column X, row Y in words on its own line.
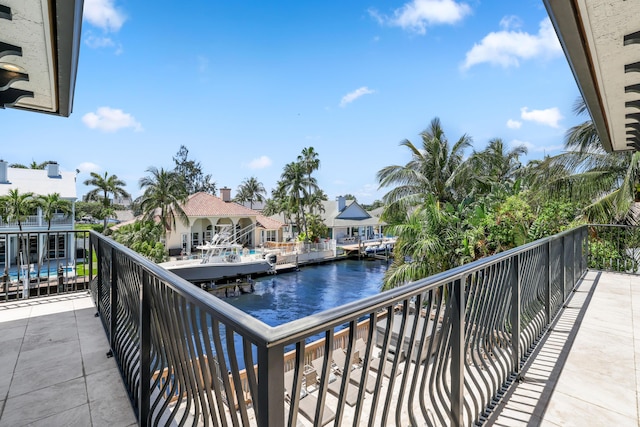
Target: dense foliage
column 143, row 237
column 448, row 208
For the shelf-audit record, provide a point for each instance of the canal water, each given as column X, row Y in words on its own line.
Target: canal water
column 289, row 296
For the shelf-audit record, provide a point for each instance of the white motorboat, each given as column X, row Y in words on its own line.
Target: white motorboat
column 220, row 259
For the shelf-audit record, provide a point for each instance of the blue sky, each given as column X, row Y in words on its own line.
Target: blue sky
column 245, row 86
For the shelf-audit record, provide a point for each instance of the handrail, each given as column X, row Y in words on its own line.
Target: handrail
column 254, row 328
column 467, row 337
column 289, row 332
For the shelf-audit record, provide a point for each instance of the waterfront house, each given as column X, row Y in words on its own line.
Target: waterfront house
column 348, row 222
column 209, row 214
column 40, row 182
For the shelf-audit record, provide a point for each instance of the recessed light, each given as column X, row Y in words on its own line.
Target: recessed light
column 11, row 67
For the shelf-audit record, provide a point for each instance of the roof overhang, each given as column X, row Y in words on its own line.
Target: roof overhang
column 601, row 40
column 39, row 47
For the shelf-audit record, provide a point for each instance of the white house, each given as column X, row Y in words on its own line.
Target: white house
column 39, row 182
column 348, row 221
column 209, row 214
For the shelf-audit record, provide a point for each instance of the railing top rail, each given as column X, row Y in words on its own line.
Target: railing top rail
column 310, row 325
column 250, row 327
column 261, row 333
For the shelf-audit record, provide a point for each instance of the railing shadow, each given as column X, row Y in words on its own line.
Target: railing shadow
column 526, row 401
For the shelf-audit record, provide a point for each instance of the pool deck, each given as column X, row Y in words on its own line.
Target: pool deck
column 53, row 366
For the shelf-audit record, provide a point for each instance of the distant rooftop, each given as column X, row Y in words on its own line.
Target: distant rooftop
column 38, row 181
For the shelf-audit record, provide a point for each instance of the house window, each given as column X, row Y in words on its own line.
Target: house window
column 195, row 239
column 270, row 235
column 56, row 247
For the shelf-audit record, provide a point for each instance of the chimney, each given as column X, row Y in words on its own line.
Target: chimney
column 53, row 170
column 3, row 172
column 225, row 194
column 341, row 203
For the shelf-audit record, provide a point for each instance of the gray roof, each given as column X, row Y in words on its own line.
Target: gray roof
column 36, row 181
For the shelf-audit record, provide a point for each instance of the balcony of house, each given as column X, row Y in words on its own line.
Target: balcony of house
column 38, row 222
column 526, row 337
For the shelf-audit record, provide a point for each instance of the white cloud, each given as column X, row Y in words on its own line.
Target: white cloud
column 531, row 148
column 104, row 14
column 259, row 163
column 510, row 22
column 95, row 42
column 548, row 117
column 507, row 48
column 417, row 15
column 352, row 96
column 513, row 124
column 109, row 119
column 88, row 167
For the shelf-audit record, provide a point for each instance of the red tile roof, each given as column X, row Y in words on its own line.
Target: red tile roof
column 204, row 204
column 269, row 223
column 207, row 205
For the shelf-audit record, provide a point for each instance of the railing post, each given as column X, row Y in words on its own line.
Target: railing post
column 270, row 386
column 100, row 274
column 573, row 260
column 563, row 269
column 515, row 312
column 113, row 290
column 547, row 288
column 457, row 352
column 144, row 325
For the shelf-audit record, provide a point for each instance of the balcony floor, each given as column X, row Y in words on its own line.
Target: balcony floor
column 53, row 366
column 586, row 370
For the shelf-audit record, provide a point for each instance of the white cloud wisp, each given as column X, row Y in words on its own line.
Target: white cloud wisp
column 109, row 119
column 548, row 117
column 507, row 48
column 417, row 15
column 104, row 14
column 352, row 96
column 261, row 162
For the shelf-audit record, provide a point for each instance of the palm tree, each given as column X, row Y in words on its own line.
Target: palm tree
column 295, row 183
column 104, row 186
column 17, row 207
column 424, row 244
column 32, row 165
column 164, row 194
column 51, row 204
column 436, row 168
column 606, row 182
column 315, row 199
column 310, row 163
column 251, row 190
column 495, row 165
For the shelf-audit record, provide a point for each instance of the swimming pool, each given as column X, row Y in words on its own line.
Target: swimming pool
column 44, row 272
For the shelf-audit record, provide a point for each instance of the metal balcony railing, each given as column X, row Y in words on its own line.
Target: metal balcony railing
column 438, row 351
column 37, row 221
column 42, row 263
column 614, row 248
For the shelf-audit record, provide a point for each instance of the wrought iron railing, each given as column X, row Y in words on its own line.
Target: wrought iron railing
column 34, row 264
column 439, row 351
column 614, row 248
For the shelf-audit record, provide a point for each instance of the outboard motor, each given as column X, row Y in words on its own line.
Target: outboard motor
column 271, row 258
